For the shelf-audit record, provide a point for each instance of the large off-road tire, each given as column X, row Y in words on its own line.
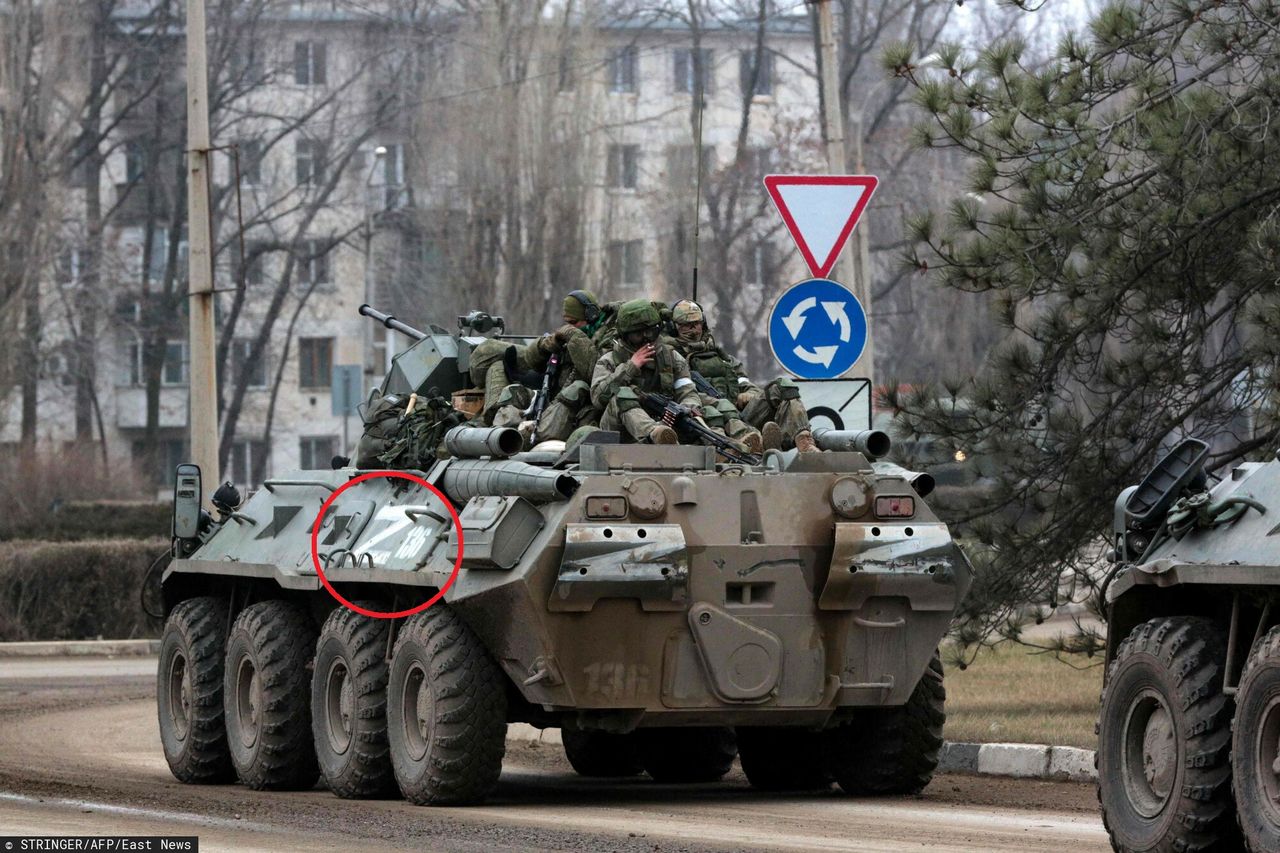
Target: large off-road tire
column 446, row 711
column 349, row 705
column 780, row 758
column 687, row 754
column 193, row 732
column 267, row 696
column 602, row 754
column 1255, row 747
column 884, row 751
column 1164, row 740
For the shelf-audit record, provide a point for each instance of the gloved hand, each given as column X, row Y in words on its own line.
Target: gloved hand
column 564, row 333
column 549, row 343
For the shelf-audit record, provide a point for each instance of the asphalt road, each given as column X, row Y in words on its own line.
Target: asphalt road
column 79, row 753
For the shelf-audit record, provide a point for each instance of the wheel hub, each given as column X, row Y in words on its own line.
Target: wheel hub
column 1267, row 763
column 339, row 706
column 248, row 701
column 1149, row 764
column 180, row 695
column 416, row 711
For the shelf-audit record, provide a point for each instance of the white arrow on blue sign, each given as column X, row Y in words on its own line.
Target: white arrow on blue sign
column 817, row 329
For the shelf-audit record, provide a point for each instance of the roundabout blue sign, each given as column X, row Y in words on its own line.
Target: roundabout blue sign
column 817, row 329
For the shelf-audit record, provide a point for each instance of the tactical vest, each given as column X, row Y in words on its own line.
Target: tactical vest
column 717, row 368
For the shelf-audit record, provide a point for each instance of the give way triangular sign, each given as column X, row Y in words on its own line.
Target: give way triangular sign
column 820, row 212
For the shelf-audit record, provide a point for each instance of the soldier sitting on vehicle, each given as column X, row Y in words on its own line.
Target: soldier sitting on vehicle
column 717, row 376
column 639, row 362
column 570, row 407
column 775, row 410
column 505, row 400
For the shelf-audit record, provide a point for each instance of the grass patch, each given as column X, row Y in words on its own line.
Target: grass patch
column 1010, row 694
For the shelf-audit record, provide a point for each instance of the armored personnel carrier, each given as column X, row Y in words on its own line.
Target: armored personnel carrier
column 665, row 610
column 1189, row 726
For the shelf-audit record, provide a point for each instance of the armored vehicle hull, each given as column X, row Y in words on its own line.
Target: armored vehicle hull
column 1189, row 725
column 665, row 610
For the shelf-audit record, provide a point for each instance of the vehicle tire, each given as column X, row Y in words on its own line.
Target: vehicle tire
column 594, row 753
column 193, row 730
column 885, row 751
column 1255, row 747
column 446, row 711
column 267, row 696
column 782, row 758
column 687, row 754
column 349, row 705
column 1164, row 739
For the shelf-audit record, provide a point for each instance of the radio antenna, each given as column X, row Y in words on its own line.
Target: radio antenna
column 697, row 183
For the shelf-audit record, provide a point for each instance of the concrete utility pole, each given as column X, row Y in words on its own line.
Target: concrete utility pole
column 848, row 268
column 203, row 382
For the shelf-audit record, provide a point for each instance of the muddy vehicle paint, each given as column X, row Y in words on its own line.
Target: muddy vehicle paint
column 665, row 610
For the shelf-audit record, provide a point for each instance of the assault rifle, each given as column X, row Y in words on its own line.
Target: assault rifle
column 539, row 404
column 704, row 387
column 686, row 424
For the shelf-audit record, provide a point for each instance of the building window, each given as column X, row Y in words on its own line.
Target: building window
column 241, row 349
column 250, row 156
column 567, row 79
column 313, row 262
column 309, row 63
column 170, row 453
column 621, row 67
column 310, row 162
column 315, row 363
column 764, row 76
column 173, row 372
column 681, row 168
column 248, row 462
column 395, row 194
column 68, row 267
column 757, row 162
column 135, row 160
column 626, row 265
column 623, row 161
column 316, row 452
column 690, row 76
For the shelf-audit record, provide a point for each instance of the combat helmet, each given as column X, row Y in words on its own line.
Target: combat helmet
column 637, row 314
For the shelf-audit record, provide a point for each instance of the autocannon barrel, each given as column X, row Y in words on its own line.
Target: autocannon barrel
column 470, row 442
column 391, row 322
column 465, row 479
column 872, row 443
column 921, row 481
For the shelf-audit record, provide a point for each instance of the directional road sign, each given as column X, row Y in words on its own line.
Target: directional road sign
column 817, row 329
column 820, row 212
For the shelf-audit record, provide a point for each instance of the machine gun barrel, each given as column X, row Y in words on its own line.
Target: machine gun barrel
column 392, row 323
column 465, row 479
column 467, row 442
column 921, row 481
column 872, row 443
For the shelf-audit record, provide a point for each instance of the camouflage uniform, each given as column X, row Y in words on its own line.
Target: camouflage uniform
column 504, row 401
column 572, row 406
column 741, row 399
column 616, row 380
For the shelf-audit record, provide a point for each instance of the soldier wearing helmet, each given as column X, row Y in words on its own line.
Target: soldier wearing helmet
column 571, row 407
column 638, row 360
column 721, row 372
column 775, row 410
column 497, row 366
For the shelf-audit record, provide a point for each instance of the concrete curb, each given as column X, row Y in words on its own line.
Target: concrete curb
column 1019, row 760
column 79, row 648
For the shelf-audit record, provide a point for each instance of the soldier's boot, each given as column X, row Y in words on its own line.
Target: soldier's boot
column 662, row 434
column 804, row 442
column 753, row 442
column 771, row 436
